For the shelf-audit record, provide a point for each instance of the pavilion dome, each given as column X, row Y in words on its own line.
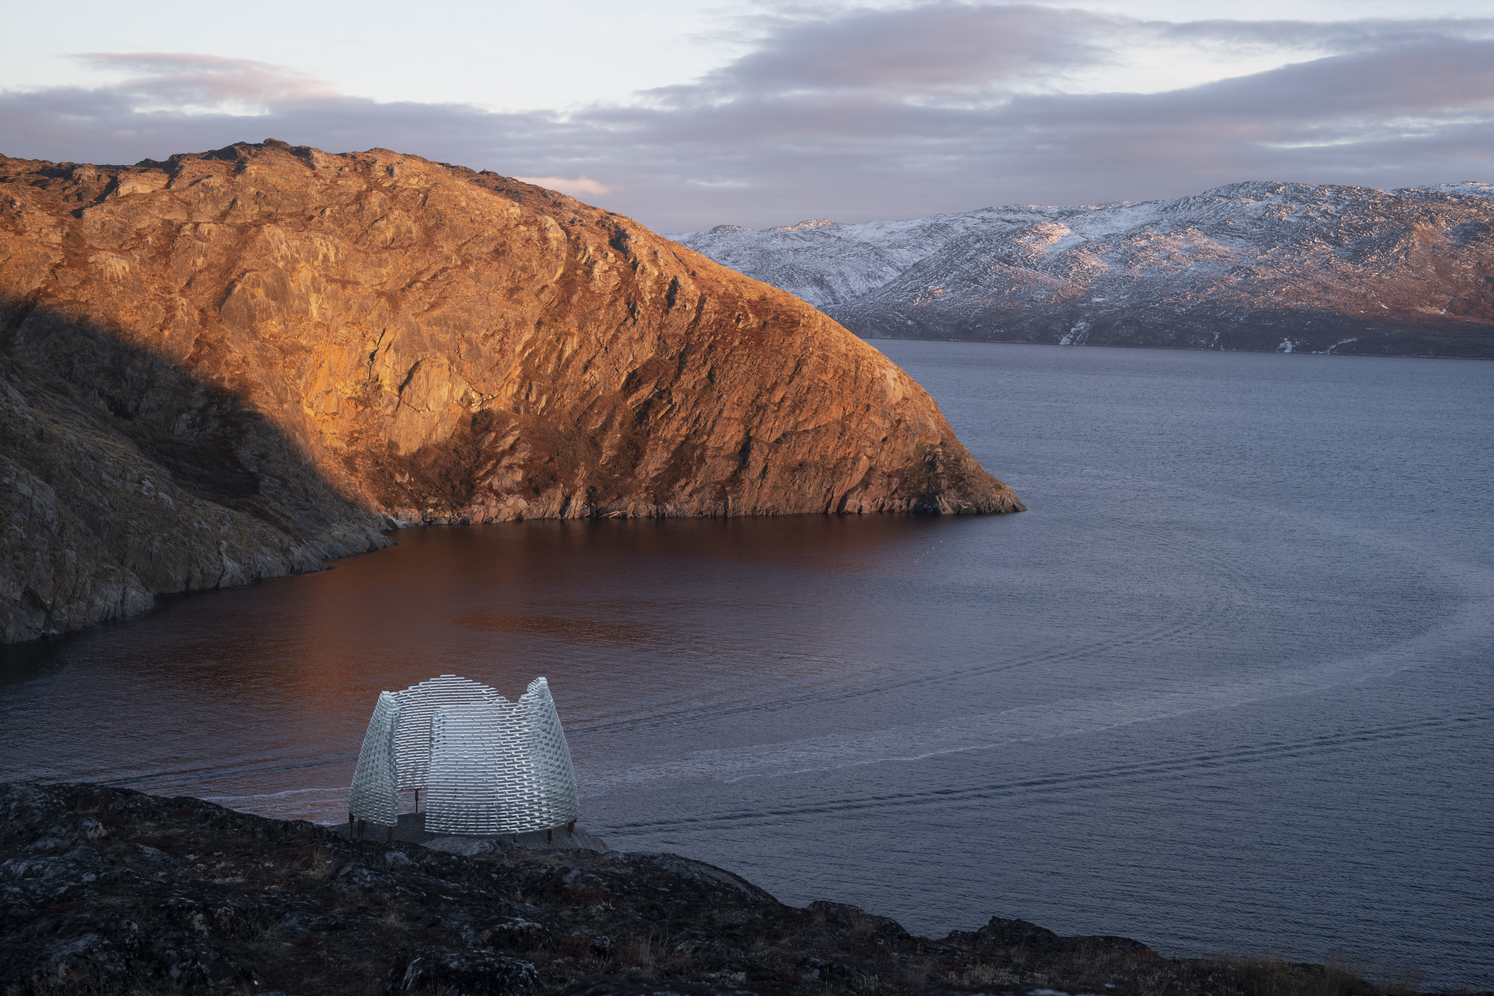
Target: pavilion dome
column 487, row 765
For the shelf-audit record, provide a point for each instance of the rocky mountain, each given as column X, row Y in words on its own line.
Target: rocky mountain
column 237, row 364
column 1259, row 266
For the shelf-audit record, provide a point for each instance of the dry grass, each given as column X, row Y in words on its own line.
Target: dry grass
column 864, row 923
column 642, row 954
column 1394, row 978
column 321, row 864
column 1272, row 972
column 981, row 974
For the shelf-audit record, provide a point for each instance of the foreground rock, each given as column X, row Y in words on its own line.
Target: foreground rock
column 238, row 364
column 1284, row 267
column 110, row 891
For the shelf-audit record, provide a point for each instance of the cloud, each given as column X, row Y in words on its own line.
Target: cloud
column 1335, row 37
column 579, row 186
column 801, row 127
column 194, row 83
column 933, row 49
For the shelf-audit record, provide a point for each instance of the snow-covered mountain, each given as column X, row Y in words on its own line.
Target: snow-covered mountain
column 1262, row 265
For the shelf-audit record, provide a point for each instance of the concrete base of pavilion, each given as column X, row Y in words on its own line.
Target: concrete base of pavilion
column 411, row 829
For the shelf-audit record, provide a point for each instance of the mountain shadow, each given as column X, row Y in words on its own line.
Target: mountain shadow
column 122, row 477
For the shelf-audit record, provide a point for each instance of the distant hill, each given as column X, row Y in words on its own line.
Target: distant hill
column 1284, row 267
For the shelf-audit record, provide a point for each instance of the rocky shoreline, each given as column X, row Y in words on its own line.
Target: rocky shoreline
column 106, row 890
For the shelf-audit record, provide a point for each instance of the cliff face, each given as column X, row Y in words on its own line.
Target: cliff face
column 1257, row 266
column 237, row 364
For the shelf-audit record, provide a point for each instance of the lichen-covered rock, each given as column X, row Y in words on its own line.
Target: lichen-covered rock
column 517, row 934
column 238, row 364
column 623, row 986
column 466, row 972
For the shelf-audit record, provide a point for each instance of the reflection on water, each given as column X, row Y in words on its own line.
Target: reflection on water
column 1226, row 683
column 220, row 690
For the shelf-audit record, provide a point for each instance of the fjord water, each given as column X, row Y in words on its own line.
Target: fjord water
column 1227, row 684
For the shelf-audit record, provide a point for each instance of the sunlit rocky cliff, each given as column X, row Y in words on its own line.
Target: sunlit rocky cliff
column 1259, row 266
column 238, row 364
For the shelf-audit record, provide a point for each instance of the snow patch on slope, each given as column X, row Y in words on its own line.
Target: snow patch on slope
column 1147, row 273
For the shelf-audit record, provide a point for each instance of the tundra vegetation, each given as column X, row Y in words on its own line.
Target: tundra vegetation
column 106, row 890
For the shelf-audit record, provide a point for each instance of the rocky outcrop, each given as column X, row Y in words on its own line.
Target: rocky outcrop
column 238, row 364
column 109, row 891
column 1265, row 266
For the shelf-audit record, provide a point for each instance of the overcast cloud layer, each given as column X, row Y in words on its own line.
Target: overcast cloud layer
column 870, row 114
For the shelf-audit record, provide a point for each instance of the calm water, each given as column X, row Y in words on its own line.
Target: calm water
column 1227, row 685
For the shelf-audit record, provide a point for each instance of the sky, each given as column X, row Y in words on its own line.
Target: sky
column 686, row 115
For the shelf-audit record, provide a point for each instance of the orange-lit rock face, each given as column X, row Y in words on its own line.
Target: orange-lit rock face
column 441, row 345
